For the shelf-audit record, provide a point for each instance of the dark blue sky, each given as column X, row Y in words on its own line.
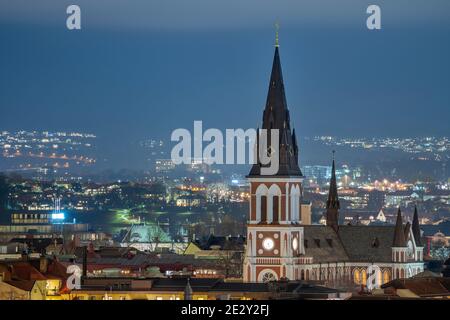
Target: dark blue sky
column 140, row 69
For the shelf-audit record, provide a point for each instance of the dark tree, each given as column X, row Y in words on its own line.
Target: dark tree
column 4, row 191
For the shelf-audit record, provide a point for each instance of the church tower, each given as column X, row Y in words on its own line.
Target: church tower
column 399, row 248
column 274, row 231
column 333, row 206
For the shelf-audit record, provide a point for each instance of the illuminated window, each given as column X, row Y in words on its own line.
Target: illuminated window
column 386, row 278
column 379, row 276
column 364, row 277
column 357, row 277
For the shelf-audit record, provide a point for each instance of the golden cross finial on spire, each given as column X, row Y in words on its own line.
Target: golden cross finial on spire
column 277, row 27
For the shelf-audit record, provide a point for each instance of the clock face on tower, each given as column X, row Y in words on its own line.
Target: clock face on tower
column 268, row 244
column 294, row 244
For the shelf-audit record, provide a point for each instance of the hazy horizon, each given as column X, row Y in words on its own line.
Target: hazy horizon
column 141, row 69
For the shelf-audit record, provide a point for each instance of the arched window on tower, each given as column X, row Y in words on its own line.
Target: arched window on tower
column 273, row 203
column 261, row 203
column 276, row 208
column 295, row 203
column 263, row 208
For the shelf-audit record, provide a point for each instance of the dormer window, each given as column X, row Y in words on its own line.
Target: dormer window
column 375, row 243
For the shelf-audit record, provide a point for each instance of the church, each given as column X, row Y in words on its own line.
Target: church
column 282, row 244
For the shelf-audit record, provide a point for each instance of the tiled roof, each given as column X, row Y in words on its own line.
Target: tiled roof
column 367, row 243
column 56, row 269
column 144, row 260
column 422, row 286
column 25, row 271
column 208, row 285
column 322, row 243
column 25, row 285
column 225, row 243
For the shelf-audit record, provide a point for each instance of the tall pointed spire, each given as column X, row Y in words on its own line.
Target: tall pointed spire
column 333, row 199
column 333, row 204
column 276, row 105
column 416, row 227
column 276, row 116
column 399, row 233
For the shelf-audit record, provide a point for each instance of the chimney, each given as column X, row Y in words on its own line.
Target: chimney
column 84, row 262
column 24, row 255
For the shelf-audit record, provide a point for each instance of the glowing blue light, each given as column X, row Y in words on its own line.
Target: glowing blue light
column 58, row 216
column 235, row 181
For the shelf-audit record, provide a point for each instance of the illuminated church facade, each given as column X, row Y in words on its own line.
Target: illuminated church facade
column 281, row 246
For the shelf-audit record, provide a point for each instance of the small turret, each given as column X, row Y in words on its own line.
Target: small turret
column 416, row 228
column 188, row 291
column 399, row 234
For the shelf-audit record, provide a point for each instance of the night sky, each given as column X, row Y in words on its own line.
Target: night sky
column 139, row 69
